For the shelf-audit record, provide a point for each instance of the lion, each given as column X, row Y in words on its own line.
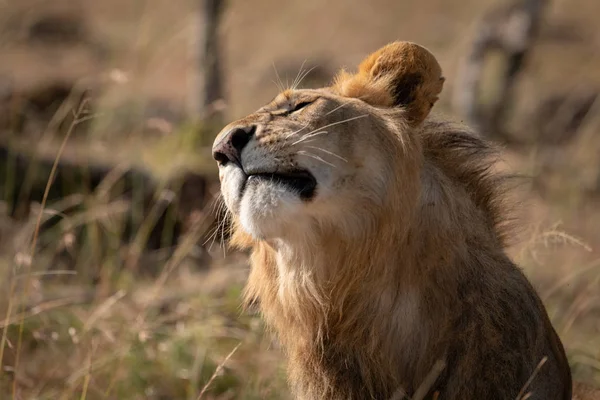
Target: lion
column 378, row 236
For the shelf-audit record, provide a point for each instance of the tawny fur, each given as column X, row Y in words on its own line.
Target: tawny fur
column 367, row 313
column 399, row 69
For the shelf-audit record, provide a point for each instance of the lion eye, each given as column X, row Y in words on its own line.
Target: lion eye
column 300, row 106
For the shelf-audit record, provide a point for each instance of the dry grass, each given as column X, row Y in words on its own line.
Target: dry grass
column 173, row 336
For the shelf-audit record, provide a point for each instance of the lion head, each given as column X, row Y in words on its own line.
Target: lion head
column 318, row 159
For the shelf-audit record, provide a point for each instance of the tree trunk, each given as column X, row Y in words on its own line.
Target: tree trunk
column 206, row 99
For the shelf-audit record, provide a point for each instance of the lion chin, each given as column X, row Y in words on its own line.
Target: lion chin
column 378, row 242
column 269, row 207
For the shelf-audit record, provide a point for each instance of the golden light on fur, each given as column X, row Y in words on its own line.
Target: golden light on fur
column 377, row 236
column 399, row 74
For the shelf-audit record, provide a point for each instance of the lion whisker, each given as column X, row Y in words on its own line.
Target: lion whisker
column 280, row 83
column 277, row 85
column 295, row 132
column 314, row 131
column 337, row 108
column 223, row 245
column 300, row 71
column 220, row 225
column 311, row 155
column 328, row 152
column 213, row 235
column 304, row 75
column 307, row 135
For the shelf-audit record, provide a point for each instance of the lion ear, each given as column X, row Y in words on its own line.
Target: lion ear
column 401, row 74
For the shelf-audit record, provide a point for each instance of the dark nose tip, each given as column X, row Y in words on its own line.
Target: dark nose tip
column 229, row 147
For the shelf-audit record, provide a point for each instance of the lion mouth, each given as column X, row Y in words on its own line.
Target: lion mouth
column 301, row 181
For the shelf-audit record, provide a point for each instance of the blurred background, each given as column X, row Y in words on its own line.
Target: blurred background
column 115, row 283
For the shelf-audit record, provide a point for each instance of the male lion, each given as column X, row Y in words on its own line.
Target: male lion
column 378, row 249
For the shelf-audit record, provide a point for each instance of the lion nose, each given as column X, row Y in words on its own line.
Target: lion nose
column 229, row 147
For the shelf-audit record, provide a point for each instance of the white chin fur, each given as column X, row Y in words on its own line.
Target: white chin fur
column 268, row 210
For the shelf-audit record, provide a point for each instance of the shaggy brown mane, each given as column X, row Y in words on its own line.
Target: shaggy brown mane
column 472, row 163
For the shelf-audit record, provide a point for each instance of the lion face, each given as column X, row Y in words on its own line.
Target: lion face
column 319, row 159
column 300, row 159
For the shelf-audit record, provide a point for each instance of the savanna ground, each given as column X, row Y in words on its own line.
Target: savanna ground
column 182, row 334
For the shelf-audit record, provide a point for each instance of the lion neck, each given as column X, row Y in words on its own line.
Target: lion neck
column 374, row 297
column 331, row 303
